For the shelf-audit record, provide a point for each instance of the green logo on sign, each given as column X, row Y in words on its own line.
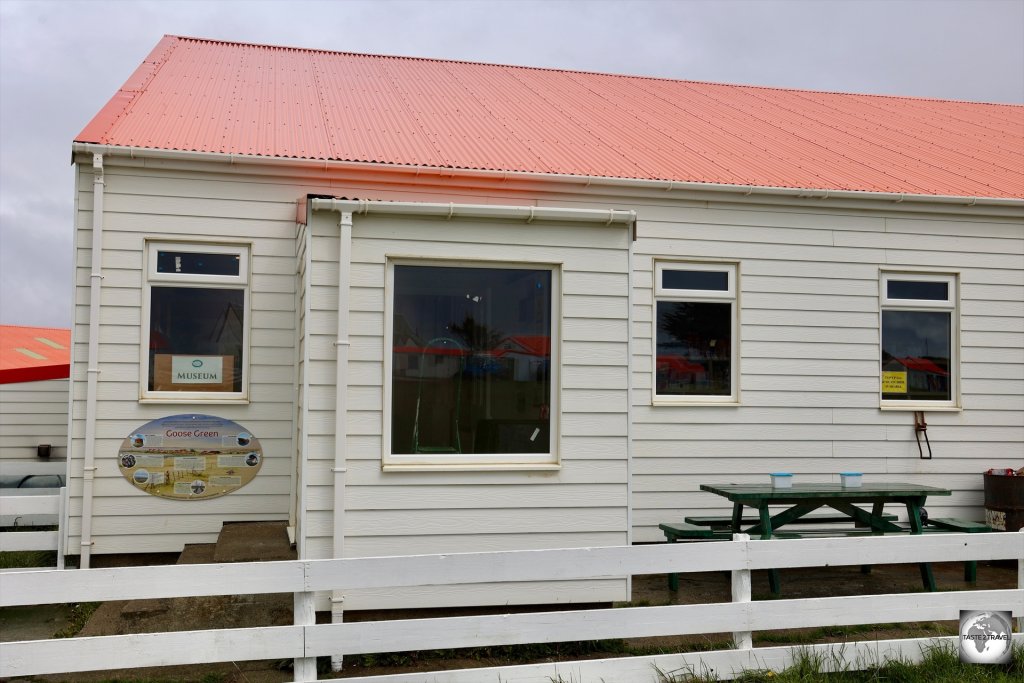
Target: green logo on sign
column 197, row 363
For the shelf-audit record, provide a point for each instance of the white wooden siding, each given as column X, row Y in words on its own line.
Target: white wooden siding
column 808, row 303
column 33, row 413
column 390, row 513
column 153, row 204
column 809, row 356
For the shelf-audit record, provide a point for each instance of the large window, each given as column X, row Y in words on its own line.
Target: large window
column 472, row 364
column 695, row 330
column 196, row 330
column 919, row 340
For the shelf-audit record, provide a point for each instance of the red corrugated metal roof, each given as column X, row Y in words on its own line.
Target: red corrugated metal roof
column 29, row 354
column 231, row 98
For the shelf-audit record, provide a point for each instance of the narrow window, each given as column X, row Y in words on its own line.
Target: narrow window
column 196, row 330
column 695, row 325
column 472, row 361
column 919, row 333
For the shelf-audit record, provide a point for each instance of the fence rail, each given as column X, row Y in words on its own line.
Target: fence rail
column 306, row 640
column 41, row 507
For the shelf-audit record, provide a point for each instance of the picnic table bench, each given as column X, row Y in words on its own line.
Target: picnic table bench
column 726, row 521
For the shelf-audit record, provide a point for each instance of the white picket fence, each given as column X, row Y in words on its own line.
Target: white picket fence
column 32, row 508
column 306, row 640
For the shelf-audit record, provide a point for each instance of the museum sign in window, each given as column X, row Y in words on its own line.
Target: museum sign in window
column 472, row 364
column 695, row 331
column 196, row 328
column 919, row 340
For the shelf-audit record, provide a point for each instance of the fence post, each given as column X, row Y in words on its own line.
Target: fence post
column 337, row 617
column 62, row 508
column 742, row 640
column 1020, row 577
column 304, row 615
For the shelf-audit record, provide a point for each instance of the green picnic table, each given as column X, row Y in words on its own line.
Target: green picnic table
column 803, row 499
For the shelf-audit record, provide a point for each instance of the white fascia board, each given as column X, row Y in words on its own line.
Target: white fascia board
column 893, row 198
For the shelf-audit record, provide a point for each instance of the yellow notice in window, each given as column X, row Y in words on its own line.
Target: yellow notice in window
column 894, row 382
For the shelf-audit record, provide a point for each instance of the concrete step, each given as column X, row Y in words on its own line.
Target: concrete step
column 197, row 553
column 253, row 542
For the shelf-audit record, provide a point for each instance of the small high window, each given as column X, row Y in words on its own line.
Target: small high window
column 196, row 328
column 695, row 331
column 472, row 364
column 919, row 340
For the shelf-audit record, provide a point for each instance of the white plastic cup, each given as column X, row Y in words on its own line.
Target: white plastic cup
column 782, row 480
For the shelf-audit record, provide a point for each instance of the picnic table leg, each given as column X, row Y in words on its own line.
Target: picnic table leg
column 766, row 533
column 737, row 517
column 876, row 511
column 916, row 527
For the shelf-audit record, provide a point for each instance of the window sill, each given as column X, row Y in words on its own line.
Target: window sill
column 204, row 400
column 660, row 402
column 470, row 467
column 922, row 408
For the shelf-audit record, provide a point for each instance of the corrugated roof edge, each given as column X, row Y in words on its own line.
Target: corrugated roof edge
column 585, row 72
column 126, row 95
column 659, row 184
column 36, row 374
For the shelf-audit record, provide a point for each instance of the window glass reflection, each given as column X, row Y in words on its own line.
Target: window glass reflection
column 922, row 291
column 471, row 360
column 916, row 355
column 694, row 348
column 196, row 339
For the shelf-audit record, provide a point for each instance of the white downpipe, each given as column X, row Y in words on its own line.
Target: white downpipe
column 302, row 467
column 527, row 213
column 341, row 409
column 92, row 369
column 562, row 178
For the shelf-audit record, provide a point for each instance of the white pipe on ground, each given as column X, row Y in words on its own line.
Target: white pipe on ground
column 92, row 369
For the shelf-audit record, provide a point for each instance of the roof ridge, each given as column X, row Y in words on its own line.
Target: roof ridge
column 593, row 73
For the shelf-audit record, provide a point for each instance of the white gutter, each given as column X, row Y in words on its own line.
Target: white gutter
column 92, row 369
column 527, row 213
column 580, row 180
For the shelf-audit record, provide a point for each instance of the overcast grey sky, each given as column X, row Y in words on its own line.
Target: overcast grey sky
column 61, row 61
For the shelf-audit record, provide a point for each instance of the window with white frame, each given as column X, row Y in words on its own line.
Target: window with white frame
column 471, row 364
column 919, row 340
column 695, row 332
column 196, row 323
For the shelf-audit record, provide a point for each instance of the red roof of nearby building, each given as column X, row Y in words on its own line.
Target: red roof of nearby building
column 920, row 365
column 29, row 354
column 680, row 365
column 530, row 344
column 232, row 98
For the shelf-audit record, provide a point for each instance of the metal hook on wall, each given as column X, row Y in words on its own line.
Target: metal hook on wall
column 921, row 427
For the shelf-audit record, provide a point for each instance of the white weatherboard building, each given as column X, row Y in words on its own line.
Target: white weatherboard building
column 34, row 366
column 468, row 307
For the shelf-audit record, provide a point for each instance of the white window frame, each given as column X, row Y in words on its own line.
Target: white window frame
column 240, row 282
column 951, row 304
column 730, row 294
column 474, row 461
